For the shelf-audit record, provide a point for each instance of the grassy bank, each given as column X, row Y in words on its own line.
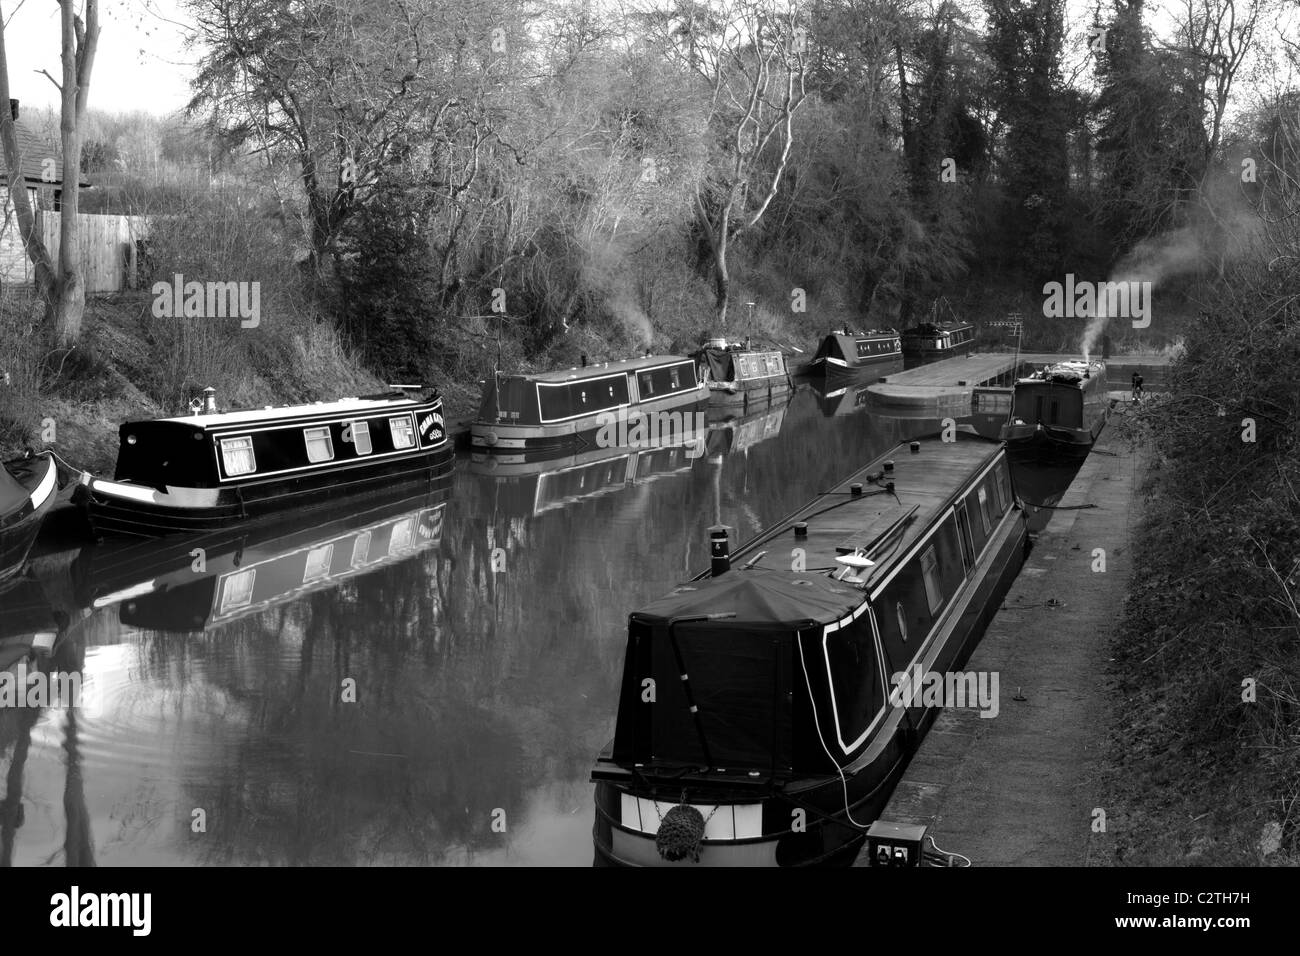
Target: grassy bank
column 1203, row 766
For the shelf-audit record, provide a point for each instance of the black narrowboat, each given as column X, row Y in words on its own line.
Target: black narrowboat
column 933, row 341
column 28, row 487
column 555, row 412
column 1061, row 408
column 736, row 374
column 215, row 469
column 191, row 582
column 756, row 723
column 850, row 352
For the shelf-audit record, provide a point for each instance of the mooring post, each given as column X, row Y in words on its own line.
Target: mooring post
column 719, row 550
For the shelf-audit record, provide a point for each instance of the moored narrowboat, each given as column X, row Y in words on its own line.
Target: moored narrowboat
column 1061, row 407
column 214, row 469
column 737, row 374
column 845, row 352
column 933, row 341
column 756, row 721
column 564, row 410
column 27, row 491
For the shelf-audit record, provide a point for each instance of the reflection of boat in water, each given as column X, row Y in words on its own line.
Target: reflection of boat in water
column 534, row 487
column 771, row 686
column 731, row 431
column 1062, row 407
column 190, row 583
column 27, row 623
column 842, row 395
column 27, row 491
column 214, row 469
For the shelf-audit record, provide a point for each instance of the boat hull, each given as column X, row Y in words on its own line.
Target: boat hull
column 20, row 526
column 586, row 432
column 117, row 508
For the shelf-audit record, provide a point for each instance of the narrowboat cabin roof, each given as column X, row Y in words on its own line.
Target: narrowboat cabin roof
column 604, row 368
column 394, row 400
column 887, row 524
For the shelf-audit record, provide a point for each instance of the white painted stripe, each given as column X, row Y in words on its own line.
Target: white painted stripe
column 46, row 486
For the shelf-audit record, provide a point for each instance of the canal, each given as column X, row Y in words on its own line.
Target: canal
column 424, row 683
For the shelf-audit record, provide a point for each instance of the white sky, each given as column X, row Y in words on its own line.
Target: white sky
column 141, row 63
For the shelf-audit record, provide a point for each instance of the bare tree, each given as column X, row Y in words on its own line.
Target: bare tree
column 753, row 58
column 1216, row 36
column 62, row 290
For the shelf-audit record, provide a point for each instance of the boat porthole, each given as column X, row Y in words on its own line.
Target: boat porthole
column 902, row 620
column 130, row 439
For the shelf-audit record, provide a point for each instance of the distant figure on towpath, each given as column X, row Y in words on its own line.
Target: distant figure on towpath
column 1137, row 387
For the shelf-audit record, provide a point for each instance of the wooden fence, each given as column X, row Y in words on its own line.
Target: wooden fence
column 108, row 249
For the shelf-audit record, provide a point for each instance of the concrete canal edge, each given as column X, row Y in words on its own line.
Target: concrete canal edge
column 1020, row 789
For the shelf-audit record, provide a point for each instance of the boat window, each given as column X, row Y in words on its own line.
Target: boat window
column 675, row 376
column 901, row 613
column 237, row 455
column 1004, row 489
column 984, row 509
column 856, row 681
column 930, row 572
column 963, row 536
column 647, row 383
column 1038, row 409
column 361, row 438
column 318, row 563
column 320, row 447
column 402, row 433
column 237, row 590
column 361, row 549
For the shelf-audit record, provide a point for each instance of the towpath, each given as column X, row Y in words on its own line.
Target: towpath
column 1020, row 788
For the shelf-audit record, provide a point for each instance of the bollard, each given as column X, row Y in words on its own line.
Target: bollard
column 719, row 550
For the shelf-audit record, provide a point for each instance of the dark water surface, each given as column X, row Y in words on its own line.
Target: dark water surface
column 485, row 679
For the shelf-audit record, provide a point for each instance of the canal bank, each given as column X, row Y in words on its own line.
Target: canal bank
column 1021, row 788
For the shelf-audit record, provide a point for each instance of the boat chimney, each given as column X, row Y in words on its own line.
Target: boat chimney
column 889, row 467
column 915, row 446
column 209, row 401
column 584, row 359
column 719, row 550
column 801, row 529
column 855, row 489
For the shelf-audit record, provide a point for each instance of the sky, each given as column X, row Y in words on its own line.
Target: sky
column 140, row 63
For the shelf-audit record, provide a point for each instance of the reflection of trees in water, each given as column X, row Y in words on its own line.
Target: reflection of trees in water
column 16, row 726
column 473, row 688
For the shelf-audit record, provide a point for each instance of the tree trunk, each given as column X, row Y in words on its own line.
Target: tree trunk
column 69, row 303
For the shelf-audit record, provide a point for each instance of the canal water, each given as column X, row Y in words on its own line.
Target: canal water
column 423, row 683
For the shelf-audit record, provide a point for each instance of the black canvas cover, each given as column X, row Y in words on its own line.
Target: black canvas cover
column 12, row 494
column 719, row 364
column 734, row 638
column 786, row 599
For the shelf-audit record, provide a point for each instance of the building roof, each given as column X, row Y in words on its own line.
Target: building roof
column 33, row 152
